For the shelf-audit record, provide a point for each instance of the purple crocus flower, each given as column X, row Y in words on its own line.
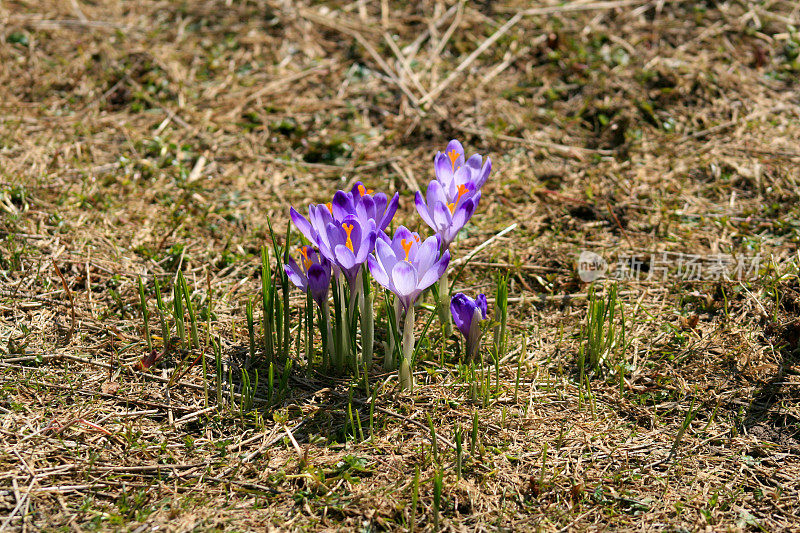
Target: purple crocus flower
column 447, row 217
column 313, row 273
column 372, row 212
column 346, row 243
column 406, row 265
column 365, row 205
column 318, row 218
column 452, row 170
column 467, row 315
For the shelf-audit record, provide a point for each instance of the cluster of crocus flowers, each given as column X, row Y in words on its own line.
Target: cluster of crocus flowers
column 349, row 242
column 453, row 195
column 451, row 200
column 344, row 231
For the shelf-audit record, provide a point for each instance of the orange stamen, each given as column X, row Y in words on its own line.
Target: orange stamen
column 349, row 229
column 406, row 244
column 462, row 190
column 416, row 238
column 306, row 261
column 453, row 155
column 330, row 207
column 363, row 191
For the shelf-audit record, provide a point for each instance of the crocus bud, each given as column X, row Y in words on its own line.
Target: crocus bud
column 474, row 338
column 467, row 315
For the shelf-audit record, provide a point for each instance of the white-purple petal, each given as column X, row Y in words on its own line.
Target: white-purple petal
column 379, row 274
column 442, row 218
column 474, row 161
column 435, row 194
column 483, row 175
column 423, row 211
column 344, row 257
column 427, row 254
column 456, row 146
column 404, row 278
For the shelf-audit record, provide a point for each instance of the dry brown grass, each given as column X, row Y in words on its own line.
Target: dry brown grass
column 137, row 138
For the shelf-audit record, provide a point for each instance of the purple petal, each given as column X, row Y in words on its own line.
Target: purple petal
column 336, row 234
column 483, row 175
column 427, row 254
column 385, row 255
column 356, row 231
column 413, row 250
column 443, row 167
column 383, row 237
column 401, row 233
column 378, row 273
column 463, row 176
column 430, row 277
column 303, row 225
column 435, row 194
column 380, row 201
column 319, row 279
column 482, row 304
column 456, row 146
column 365, row 208
column 319, row 216
column 463, row 309
column 474, row 161
column 462, row 214
column 367, row 245
column 342, row 205
column 388, row 213
column 356, row 190
column 435, row 272
column 294, row 273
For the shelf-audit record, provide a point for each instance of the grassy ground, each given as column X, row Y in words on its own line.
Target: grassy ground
column 143, row 138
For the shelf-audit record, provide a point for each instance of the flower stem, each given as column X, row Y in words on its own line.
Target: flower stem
column 327, row 336
column 393, row 327
column 367, row 329
column 344, row 335
column 443, row 306
column 406, row 377
column 366, row 300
